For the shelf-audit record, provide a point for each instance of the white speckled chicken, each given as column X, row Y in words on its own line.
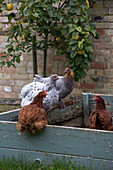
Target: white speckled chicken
column 33, row 117
column 30, row 90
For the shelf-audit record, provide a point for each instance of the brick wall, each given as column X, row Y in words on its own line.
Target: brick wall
column 99, row 78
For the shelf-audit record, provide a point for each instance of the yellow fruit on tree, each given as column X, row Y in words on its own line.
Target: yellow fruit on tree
column 9, row 7
column 87, row 3
column 76, row 38
column 58, row 39
column 79, row 52
column 24, row 36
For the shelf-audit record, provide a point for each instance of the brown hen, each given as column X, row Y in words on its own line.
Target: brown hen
column 100, row 118
column 33, row 117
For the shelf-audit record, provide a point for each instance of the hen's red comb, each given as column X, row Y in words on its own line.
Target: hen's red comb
column 44, row 91
column 96, row 96
column 67, row 68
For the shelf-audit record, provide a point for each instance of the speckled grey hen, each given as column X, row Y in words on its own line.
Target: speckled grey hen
column 30, row 90
column 64, row 84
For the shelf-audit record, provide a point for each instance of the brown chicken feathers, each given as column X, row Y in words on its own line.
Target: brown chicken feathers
column 33, row 117
column 100, row 118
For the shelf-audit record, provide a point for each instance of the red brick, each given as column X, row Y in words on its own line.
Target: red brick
column 7, row 70
column 87, row 85
column 100, row 31
column 11, row 95
column 1, row 88
column 58, row 58
column 20, row 76
column 17, row 89
column 5, row 20
column 98, row 65
column 7, row 82
column 100, row 46
column 111, row 52
column 75, row 84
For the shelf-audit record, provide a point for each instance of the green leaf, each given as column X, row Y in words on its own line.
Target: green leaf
column 18, row 59
column 64, row 31
column 75, row 20
column 26, row 13
column 80, row 44
column 10, row 50
column 87, row 28
column 73, row 54
column 77, row 10
column 11, row 16
column 74, row 48
column 50, row 12
column 74, row 34
column 79, row 29
column 72, row 42
column 22, row 8
column 83, row 6
column 2, row 63
column 70, row 25
column 71, row 29
column 8, row 63
column 35, row 15
column 89, row 49
column 82, row 19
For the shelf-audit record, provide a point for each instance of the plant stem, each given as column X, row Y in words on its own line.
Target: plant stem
column 34, row 54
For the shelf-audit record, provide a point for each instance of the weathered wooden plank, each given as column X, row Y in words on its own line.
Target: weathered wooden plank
column 55, row 116
column 63, row 140
column 9, row 115
column 46, row 158
column 85, row 108
column 60, row 115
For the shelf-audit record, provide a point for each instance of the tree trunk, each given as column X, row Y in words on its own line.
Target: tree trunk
column 45, row 62
column 45, row 57
column 34, row 55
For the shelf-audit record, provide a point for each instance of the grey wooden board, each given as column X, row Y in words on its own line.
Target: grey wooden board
column 60, row 140
column 9, row 114
column 70, row 112
column 46, row 158
column 55, row 116
column 85, row 108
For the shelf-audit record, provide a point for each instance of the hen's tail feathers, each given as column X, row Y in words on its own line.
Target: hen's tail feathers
column 37, row 78
column 19, row 127
column 40, row 125
column 110, row 128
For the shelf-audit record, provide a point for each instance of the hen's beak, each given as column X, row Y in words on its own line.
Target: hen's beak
column 95, row 99
column 45, row 95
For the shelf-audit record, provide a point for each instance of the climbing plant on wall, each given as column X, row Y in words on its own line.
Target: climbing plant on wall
column 69, row 24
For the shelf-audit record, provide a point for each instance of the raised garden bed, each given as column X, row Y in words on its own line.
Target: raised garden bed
column 90, row 148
